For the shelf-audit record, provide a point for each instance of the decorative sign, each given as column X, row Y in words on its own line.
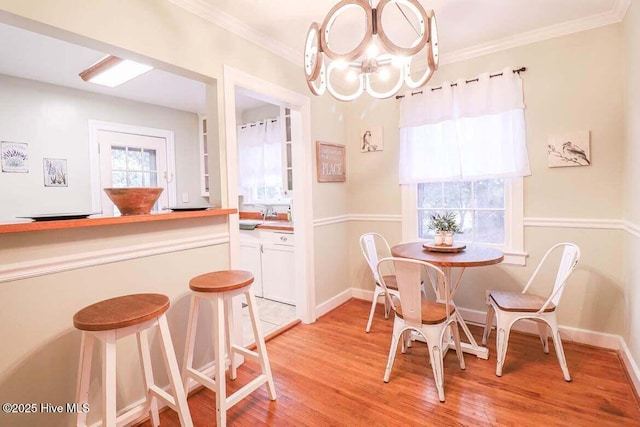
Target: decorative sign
column 330, row 162
column 14, row 157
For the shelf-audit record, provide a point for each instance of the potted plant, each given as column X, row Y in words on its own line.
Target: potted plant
column 444, row 225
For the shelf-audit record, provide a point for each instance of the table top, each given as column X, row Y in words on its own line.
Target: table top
column 472, row 256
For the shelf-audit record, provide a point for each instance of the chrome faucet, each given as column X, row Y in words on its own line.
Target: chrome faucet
column 269, row 212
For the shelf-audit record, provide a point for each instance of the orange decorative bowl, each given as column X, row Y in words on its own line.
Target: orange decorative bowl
column 134, row 200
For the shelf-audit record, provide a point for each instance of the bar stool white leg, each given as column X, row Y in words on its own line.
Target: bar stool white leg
column 192, row 322
column 84, row 375
column 147, row 372
column 260, row 344
column 219, row 360
column 228, row 308
column 109, row 378
column 179, row 395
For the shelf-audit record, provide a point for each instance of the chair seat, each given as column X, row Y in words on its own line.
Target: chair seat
column 432, row 312
column 391, row 282
column 120, row 312
column 515, row 301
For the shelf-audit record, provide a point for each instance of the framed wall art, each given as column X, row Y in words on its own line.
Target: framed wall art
column 569, row 149
column 371, row 139
column 330, row 162
column 14, row 157
column 55, row 173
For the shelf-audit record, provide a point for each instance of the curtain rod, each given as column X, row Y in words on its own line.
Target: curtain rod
column 519, row 70
column 259, row 122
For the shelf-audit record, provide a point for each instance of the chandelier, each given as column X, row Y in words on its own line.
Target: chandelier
column 378, row 64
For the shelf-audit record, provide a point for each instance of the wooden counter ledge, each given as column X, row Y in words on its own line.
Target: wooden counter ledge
column 96, row 221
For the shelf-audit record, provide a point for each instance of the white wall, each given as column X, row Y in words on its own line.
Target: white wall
column 53, row 121
column 42, row 362
column 631, row 155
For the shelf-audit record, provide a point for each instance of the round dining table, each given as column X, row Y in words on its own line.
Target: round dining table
column 471, row 256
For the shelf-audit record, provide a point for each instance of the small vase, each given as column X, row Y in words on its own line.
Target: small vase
column 438, row 239
column 448, row 239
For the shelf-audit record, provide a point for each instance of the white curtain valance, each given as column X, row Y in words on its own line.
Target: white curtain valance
column 472, row 130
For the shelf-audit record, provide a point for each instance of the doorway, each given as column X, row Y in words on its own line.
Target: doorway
column 301, row 153
column 130, row 156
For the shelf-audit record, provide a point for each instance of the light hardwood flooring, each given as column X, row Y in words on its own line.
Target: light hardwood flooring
column 330, row 374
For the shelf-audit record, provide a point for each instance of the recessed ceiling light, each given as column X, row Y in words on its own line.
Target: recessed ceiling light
column 112, row 71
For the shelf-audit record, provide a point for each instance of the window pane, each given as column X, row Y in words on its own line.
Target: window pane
column 135, row 179
column 118, row 160
column 489, row 193
column 119, row 179
column 430, row 195
column 423, row 224
column 134, row 160
column 149, row 160
column 457, row 194
column 489, row 227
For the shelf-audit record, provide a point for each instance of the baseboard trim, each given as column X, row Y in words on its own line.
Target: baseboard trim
column 41, row 267
column 630, row 365
column 333, row 303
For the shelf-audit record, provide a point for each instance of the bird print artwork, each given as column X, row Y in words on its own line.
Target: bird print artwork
column 570, row 149
column 574, row 153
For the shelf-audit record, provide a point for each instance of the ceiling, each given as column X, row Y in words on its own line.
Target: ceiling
column 467, row 28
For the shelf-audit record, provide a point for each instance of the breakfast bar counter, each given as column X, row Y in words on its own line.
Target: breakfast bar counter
column 99, row 220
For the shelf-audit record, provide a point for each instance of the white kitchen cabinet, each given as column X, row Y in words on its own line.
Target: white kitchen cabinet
column 250, row 260
column 269, row 255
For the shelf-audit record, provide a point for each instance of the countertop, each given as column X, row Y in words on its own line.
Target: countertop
column 94, row 221
column 280, row 223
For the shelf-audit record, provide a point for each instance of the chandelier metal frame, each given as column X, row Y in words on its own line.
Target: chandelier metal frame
column 320, row 60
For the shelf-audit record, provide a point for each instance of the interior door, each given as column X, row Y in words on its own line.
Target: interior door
column 132, row 160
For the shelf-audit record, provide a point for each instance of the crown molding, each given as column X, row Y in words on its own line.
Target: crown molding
column 613, row 16
column 206, row 10
column 217, row 16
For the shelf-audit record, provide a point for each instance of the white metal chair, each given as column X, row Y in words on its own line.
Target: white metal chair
column 374, row 247
column 509, row 307
column 430, row 319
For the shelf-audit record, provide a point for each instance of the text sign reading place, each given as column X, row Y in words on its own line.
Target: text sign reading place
column 330, row 162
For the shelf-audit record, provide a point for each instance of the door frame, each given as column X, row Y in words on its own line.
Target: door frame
column 94, row 156
column 302, row 153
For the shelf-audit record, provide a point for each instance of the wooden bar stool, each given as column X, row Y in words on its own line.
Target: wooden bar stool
column 116, row 318
column 220, row 287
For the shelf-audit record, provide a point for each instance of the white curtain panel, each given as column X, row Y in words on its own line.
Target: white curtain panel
column 259, row 157
column 473, row 130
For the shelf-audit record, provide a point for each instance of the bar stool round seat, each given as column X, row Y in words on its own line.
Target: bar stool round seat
column 120, row 312
column 221, row 281
column 220, row 287
column 115, row 318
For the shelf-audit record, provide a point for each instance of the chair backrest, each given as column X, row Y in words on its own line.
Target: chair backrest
column 374, row 247
column 409, row 279
column 568, row 262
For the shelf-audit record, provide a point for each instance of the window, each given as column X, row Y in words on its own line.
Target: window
column 478, row 205
column 264, row 159
column 490, row 211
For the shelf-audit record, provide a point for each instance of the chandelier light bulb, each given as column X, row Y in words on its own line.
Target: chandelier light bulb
column 375, row 52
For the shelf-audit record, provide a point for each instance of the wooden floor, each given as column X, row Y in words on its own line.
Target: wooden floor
column 330, row 374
